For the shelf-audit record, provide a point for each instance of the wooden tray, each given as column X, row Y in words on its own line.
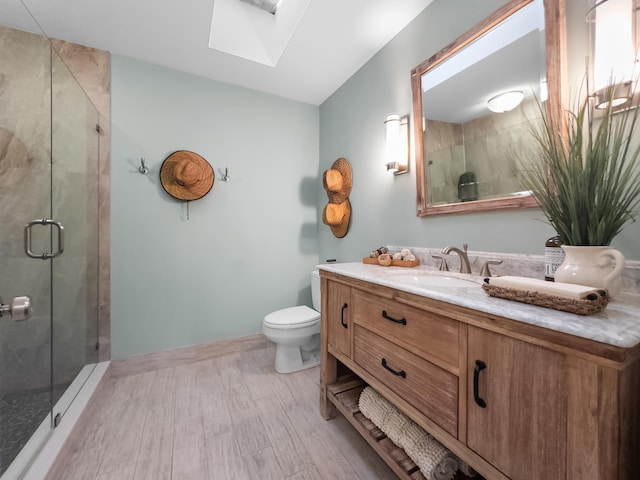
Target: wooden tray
column 394, row 263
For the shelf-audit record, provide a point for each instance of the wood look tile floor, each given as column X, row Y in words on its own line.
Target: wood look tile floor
column 231, row 417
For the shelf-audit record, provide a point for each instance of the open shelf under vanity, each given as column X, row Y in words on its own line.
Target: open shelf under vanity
column 345, row 394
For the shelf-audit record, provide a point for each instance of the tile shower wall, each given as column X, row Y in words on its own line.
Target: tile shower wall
column 74, row 204
column 487, row 145
column 25, row 151
column 24, row 193
column 492, row 145
column 92, row 69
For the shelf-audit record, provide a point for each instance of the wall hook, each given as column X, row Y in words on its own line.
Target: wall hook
column 143, row 169
column 225, row 176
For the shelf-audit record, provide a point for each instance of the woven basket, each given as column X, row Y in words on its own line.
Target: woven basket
column 580, row 307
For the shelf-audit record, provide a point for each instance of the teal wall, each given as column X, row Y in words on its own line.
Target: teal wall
column 384, row 206
column 249, row 245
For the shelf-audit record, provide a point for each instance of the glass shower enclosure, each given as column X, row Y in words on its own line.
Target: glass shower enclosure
column 48, row 238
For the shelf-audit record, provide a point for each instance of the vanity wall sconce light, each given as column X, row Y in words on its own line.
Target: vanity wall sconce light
column 611, row 31
column 397, row 144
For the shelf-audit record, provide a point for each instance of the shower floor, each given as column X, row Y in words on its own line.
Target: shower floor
column 21, row 413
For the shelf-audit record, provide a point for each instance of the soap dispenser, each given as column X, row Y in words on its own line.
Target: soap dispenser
column 553, row 257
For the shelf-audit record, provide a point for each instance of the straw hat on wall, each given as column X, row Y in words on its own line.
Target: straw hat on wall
column 186, row 175
column 337, row 216
column 337, row 181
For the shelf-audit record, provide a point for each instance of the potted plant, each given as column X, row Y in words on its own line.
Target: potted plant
column 586, row 180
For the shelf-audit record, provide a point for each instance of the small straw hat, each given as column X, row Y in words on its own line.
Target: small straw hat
column 186, row 175
column 337, row 181
column 337, row 216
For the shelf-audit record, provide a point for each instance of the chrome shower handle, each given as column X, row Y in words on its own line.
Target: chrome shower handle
column 19, row 309
column 27, row 239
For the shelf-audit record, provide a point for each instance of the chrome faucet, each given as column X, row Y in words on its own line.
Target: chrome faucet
column 465, row 266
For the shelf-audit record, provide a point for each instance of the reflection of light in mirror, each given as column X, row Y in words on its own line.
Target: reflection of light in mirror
column 505, row 102
column 544, row 90
column 613, row 42
column 528, row 19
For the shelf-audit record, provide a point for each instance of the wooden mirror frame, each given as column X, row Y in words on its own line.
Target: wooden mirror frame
column 555, row 40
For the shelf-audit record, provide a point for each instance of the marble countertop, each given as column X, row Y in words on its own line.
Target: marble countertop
column 618, row 324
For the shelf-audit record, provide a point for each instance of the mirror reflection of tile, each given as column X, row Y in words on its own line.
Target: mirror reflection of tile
column 486, row 146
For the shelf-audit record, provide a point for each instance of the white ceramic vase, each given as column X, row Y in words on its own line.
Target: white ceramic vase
column 598, row 267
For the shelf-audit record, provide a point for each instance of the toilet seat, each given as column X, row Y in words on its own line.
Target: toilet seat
column 292, row 317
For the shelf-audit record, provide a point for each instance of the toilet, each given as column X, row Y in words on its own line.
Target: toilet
column 296, row 333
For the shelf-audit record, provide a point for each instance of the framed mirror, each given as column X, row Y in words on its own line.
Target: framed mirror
column 465, row 136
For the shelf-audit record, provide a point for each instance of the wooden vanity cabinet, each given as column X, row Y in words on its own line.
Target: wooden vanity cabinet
column 517, row 405
column 513, row 400
column 339, row 327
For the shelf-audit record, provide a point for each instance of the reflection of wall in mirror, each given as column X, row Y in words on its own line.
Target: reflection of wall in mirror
column 486, row 146
column 445, row 152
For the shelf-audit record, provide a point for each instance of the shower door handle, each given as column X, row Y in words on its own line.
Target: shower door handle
column 27, row 239
column 19, row 309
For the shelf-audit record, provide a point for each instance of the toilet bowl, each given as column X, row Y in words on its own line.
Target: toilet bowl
column 296, row 333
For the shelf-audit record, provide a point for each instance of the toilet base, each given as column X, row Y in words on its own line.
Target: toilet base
column 288, row 361
column 291, row 359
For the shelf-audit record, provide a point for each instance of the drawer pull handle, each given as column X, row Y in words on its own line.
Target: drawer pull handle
column 480, row 365
column 402, row 321
column 400, row 373
column 344, row 307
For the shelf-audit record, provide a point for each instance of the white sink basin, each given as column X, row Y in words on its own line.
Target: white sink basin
column 426, row 280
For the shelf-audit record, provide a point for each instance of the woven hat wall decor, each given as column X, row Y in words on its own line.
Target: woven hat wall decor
column 186, row 175
column 337, row 181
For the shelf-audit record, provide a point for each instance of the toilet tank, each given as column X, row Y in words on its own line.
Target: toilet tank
column 315, row 289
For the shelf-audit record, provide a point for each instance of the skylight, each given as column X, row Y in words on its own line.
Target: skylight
column 267, row 5
column 239, row 28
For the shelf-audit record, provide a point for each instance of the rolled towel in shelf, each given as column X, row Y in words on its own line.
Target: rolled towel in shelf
column 565, row 290
column 433, row 459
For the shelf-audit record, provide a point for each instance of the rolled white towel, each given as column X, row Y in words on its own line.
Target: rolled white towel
column 409, row 258
column 404, row 252
column 433, row 459
column 397, row 256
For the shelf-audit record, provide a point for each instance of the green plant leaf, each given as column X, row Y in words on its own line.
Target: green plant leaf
column 586, row 177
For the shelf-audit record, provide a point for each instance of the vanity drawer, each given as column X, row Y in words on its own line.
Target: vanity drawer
column 429, row 335
column 427, row 387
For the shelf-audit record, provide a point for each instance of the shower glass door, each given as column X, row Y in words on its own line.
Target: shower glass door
column 25, row 195
column 74, row 153
column 49, row 154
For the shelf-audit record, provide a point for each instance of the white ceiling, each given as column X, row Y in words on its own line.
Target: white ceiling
column 332, row 41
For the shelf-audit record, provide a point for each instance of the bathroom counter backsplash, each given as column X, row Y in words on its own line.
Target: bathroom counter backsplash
column 518, row 264
column 618, row 324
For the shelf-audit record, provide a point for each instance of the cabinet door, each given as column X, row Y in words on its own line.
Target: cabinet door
column 521, row 429
column 339, row 327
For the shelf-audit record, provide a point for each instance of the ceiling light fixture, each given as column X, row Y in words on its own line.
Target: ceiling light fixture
column 506, row 101
column 267, row 5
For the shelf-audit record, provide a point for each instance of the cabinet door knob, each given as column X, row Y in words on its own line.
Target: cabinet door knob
column 480, row 365
column 344, row 307
column 399, row 373
column 402, row 321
